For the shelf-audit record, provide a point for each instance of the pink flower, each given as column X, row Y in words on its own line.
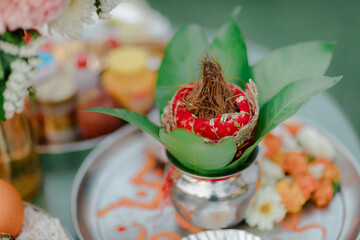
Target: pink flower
column 28, row 14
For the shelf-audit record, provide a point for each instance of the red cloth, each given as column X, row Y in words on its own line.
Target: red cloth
column 213, row 129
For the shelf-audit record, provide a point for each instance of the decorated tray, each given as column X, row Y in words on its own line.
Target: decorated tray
column 117, row 194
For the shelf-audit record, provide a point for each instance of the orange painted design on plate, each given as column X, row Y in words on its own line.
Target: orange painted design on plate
column 352, row 179
column 185, row 225
column 295, row 221
column 142, row 232
column 167, row 235
column 139, row 179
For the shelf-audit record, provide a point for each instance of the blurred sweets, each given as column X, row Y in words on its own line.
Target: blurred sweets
column 77, row 76
column 95, row 124
column 56, row 99
column 296, row 163
column 130, row 77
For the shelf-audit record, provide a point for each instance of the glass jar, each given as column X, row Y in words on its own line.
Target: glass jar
column 19, row 163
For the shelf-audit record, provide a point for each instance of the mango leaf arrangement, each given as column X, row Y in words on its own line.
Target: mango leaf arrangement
column 285, row 79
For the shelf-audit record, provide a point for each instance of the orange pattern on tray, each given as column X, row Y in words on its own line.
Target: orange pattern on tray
column 139, row 180
column 155, row 203
column 143, row 234
column 185, row 225
column 352, row 179
column 295, row 221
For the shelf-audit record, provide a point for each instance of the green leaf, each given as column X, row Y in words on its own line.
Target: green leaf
column 134, row 118
column 193, row 153
column 283, row 105
column 34, row 33
column 180, row 64
column 336, row 187
column 14, row 37
column 288, row 64
column 309, row 159
column 2, row 110
column 32, row 92
column 2, row 74
column 230, row 49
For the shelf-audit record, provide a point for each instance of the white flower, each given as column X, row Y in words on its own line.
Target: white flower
column 10, row 95
column 19, row 65
column 31, row 49
column 76, row 13
column 289, row 143
column 105, row 6
column 17, row 84
column 9, row 48
column 26, row 51
column 34, row 62
column 265, row 209
column 316, row 170
column 9, row 109
column 315, row 144
column 270, row 171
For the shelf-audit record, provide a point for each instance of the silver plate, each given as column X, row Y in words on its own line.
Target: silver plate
column 222, row 235
column 75, row 146
column 106, row 176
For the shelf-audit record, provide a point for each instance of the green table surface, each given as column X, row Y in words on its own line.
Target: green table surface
column 60, row 169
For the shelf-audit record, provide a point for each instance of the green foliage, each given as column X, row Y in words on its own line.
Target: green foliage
column 286, row 79
column 32, row 92
column 180, row 64
column 336, row 187
column 5, row 70
column 2, row 73
column 194, row 154
column 137, row 119
column 14, row 37
column 309, row 159
column 289, row 64
column 230, row 49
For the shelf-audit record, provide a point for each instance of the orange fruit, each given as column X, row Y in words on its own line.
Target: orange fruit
column 11, row 209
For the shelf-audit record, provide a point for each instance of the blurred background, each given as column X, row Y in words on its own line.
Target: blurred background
column 278, row 23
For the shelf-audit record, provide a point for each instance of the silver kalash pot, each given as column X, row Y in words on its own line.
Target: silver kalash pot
column 212, row 202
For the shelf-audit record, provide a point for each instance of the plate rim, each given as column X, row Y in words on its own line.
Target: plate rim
column 100, row 148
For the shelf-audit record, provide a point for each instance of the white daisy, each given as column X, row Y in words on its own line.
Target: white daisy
column 314, row 143
column 316, row 170
column 265, row 209
column 76, row 13
column 270, row 171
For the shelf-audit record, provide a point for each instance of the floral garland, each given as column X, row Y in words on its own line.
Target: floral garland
column 19, row 41
column 296, row 166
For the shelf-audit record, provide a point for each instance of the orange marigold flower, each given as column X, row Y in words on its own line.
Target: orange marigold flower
column 323, row 193
column 291, row 196
column 307, row 184
column 331, row 171
column 295, row 163
column 273, row 145
column 293, row 128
